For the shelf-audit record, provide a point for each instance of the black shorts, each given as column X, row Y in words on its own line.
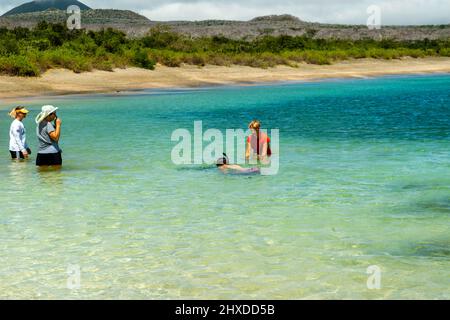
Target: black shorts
column 49, row 159
column 18, row 154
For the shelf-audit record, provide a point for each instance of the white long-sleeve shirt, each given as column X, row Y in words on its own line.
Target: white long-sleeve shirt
column 17, row 136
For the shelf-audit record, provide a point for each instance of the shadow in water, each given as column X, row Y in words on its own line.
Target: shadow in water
column 432, row 248
column 437, row 248
column 441, row 205
column 196, row 168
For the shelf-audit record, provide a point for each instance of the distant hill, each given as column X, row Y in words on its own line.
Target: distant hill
column 43, row 5
column 136, row 25
column 91, row 19
column 279, row 18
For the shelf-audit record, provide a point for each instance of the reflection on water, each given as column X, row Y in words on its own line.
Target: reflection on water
column 51, row 177
column 18, row 173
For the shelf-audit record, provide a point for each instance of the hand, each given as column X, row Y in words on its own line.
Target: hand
column 25, row 154
column 58, row 122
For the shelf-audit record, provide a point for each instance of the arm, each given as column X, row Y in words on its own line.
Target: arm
column 55, row 135
column 264, row 151
column 247, row 151
column 236, row 168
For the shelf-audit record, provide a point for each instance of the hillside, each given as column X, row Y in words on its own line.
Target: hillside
column 43, row 5
column 135, row 25
column 288, row 25
column 125, row 20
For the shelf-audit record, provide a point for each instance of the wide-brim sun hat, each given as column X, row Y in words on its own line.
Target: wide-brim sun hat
column 46, row 111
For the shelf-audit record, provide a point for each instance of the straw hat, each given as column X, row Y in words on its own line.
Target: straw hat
column 46, row 111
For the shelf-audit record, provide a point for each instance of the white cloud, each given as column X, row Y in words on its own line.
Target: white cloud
column 207, row 10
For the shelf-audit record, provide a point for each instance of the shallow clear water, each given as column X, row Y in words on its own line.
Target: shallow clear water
column 364, row 180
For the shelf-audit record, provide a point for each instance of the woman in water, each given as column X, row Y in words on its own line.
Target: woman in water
column 258, row 143
column 48, row 135
column 17, row 135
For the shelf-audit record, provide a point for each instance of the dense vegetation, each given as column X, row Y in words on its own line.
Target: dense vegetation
column 25, row 52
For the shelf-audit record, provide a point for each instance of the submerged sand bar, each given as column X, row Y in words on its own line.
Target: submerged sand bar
column 61, row 82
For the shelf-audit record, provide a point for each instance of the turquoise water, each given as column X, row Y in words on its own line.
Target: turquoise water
column 364, row 180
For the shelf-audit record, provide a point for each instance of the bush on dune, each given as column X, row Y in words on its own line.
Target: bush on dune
column 445, row 52
column 68, row 59
column 18, row 66
column 141, row 59
column 167, row 58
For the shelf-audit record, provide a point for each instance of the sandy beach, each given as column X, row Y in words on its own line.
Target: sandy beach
column 63, row 82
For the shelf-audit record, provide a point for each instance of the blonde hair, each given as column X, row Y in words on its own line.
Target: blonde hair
column 13, row 112
column 255, row 124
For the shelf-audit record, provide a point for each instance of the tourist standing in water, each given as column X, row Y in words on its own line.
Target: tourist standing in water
column 48, row 134
column 258, row 142
column 17, row 135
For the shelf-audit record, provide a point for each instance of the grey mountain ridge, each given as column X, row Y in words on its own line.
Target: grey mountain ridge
column 42, row 5
column 136, row 25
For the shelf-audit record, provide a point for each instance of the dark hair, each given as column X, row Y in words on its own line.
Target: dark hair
column 222, row 161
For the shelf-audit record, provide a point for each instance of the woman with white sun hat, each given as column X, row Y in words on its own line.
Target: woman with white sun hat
column 48, row 134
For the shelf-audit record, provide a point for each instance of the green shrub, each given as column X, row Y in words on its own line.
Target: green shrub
column 105, row 65
column 167, row 58
column 194, row 59
column 160, row 37
column 316, row 57
column 445, row 52
column 9, row 47
column 142, row 60
column 18, row 66
column 219, row 60
column 68, row 59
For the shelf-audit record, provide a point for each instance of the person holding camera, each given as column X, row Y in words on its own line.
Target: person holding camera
column 48, row 133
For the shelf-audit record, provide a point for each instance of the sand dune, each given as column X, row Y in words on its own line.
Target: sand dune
column 60, row 82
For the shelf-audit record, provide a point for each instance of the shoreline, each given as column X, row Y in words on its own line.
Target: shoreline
column 61, row 82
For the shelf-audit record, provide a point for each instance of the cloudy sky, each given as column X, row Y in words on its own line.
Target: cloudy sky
column 393, row 12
